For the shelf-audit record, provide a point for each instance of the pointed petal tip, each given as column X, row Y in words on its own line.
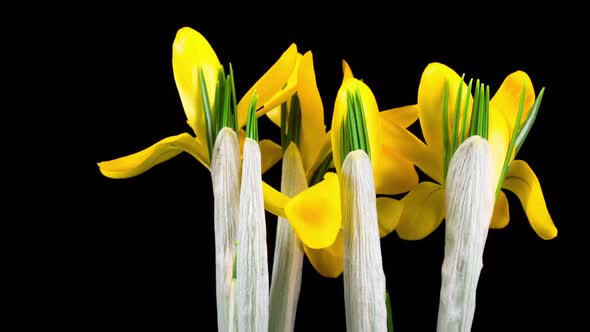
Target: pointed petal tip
column 346, row 70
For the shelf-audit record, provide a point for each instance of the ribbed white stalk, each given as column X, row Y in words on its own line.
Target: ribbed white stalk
column 364, row 280
column 469, row 196
column 225, row 171
column 288, row 258
column 252, row 267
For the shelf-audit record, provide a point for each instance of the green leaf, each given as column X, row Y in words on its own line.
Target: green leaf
column 319, row 173
column 466, row 111
column 455, row 137
column 526, row 126
column 284, row 137
column 389, row 313
column 207, row 111
column 515, row 134
column 252, row 122
column 445, row 130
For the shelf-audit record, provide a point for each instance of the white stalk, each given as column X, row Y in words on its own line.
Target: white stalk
column 364, row 280
column 252, row 265
column 225, row 171
column 469, row 208
column 288, row 257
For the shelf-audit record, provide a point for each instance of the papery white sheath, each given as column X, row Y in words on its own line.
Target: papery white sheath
column 252, row 266
column 364, row 279
column 288, row 257
column 225, row 171
column 469, row 196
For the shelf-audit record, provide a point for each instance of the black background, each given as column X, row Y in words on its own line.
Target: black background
column 137, row 254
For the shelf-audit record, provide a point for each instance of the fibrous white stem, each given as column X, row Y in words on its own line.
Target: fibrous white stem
column 364, row 280
column 252, row 266
column 225, row 171
column 469, row 195
column 288, row 257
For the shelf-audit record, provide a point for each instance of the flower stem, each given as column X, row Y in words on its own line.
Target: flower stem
column 469, row 207
column 364, row 279
column 288, row 256
column 225, row 168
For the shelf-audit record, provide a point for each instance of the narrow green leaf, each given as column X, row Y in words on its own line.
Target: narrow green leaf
column 233, row 97
column 294, row 126
column 486, row 131
column 319, row 173
column 252, row 122
column 513, row 136
column 363, row 124
column 526, row 126
column 206, row 111
column 455, row 138
column 474, row 109
column 284, row 138
column 445, row 130
column 389, row 313
column 466, row 111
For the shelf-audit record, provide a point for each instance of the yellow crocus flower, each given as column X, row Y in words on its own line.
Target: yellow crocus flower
column 191, row 54
column 320, row 204
column 424, row 205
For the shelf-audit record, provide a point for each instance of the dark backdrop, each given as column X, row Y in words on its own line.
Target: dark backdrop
column 139, row 254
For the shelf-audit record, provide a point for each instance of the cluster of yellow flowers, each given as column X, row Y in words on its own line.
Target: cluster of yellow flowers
column 314, row 209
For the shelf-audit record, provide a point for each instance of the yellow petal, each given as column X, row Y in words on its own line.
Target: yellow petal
column 394, row 175
column 507, row 99
column 270, row 152
column 397, row 140
column 498, row 138
column 315, row 213
column 523, row 182
column 274, row 200
column 389, row 211
column 329, row 262
column 402, row 116
column 270, row 88
column 139, row 162
column 190, row 53
column 424, row 210
column 325, row 144
column 371, row 111
column 313, row 129
column 275, row 115
column 430, row 102
column 501, row 215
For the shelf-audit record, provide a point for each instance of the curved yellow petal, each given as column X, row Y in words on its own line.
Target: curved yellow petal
column 190, row 53
column 402, row 116
column 271, row 88
column 389, row 211
column 371, row 111
column 507, row 99
column 424, row 210
column 501, row 215
column 139, row 162
column 523, row 182
column 270, row 154
column 329, row 262
column 274, row 200
column 275, row 115
column 430, row 102
column 394, row 175
column 499, row 139
column 315, row 213
column 398, row 140
column 313, row 129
